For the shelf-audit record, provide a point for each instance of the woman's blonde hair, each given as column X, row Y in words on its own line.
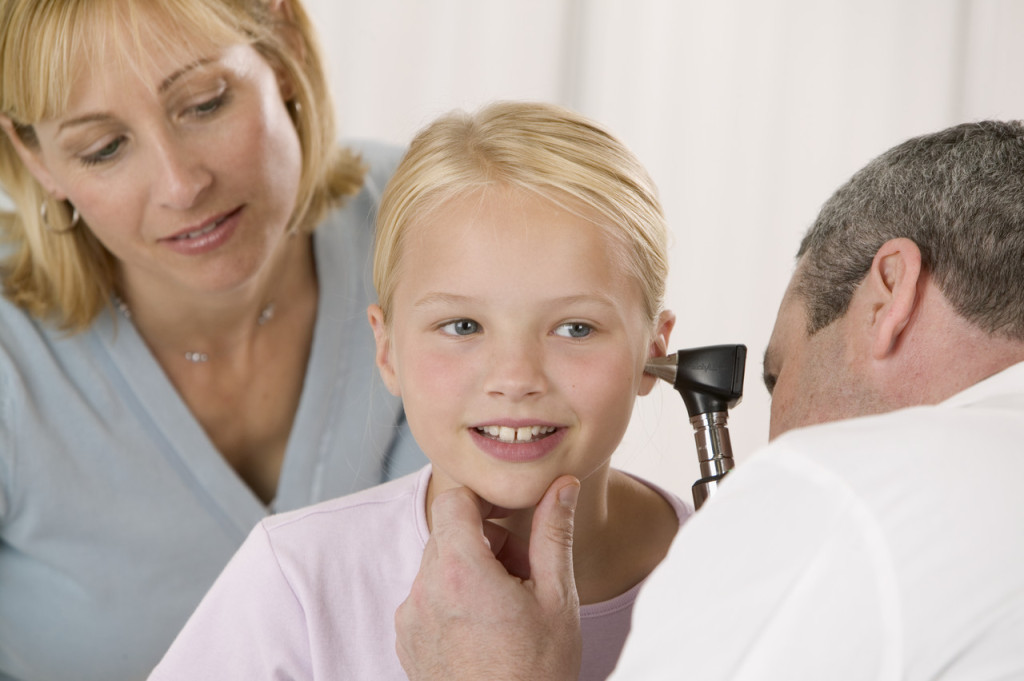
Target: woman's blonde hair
column 539, row 147
column 70, row 276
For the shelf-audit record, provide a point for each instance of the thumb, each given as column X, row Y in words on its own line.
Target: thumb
column 551, row 569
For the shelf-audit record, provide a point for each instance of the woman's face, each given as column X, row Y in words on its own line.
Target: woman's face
column 185, row 164
column 517, row 342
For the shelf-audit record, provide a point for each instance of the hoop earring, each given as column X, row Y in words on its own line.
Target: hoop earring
column 75, row 218
column 294, row 108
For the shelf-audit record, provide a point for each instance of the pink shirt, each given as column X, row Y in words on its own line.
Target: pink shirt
column 311, row 594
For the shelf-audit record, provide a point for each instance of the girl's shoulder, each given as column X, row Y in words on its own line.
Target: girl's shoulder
column 394, row 510
column 647, row 497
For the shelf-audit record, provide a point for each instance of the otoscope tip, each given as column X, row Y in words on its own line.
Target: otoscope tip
column 663, row 367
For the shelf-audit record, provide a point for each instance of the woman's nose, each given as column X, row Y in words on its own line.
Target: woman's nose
column 182, row 176
column 516, row 371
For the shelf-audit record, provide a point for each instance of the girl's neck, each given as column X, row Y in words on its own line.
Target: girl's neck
column 619, row 552
column 622, row 530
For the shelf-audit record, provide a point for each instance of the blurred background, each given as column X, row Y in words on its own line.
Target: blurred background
column 748, row 114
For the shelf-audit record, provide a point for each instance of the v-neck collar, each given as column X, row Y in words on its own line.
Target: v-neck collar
column 183, row 438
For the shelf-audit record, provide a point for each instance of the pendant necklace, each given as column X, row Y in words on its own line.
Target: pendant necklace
column 266, row 314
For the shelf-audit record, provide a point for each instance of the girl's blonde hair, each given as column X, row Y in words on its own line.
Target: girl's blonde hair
column 540, row 147
column 70, row 276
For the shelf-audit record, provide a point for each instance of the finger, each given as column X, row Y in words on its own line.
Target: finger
column 514, row 555
column 457, row 516
column 496, row 536
column 551, row 544
column 461, row 542
column 455, row 505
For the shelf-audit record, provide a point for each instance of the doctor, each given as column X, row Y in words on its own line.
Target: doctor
column 879, row 534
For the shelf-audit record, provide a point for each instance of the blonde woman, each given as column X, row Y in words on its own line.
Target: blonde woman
column 181, row 340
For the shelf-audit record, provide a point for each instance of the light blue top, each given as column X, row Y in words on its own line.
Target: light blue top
column 116, row 511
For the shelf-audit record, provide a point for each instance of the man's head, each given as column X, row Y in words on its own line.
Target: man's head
column 959, row 195
column 919, row 253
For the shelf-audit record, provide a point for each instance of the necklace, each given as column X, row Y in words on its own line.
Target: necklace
column 266, row 314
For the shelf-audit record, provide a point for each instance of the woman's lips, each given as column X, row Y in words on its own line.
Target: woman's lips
column 207, row 237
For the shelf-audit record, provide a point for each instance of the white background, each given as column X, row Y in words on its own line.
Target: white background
column 748, row 114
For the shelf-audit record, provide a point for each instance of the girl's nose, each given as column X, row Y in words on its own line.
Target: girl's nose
column 517, row 372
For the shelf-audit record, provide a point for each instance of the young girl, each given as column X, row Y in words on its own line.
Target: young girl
column 520, row 268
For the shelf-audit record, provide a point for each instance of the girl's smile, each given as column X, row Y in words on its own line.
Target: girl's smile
column 525, row 443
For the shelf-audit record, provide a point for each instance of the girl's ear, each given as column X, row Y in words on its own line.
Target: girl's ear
column 659, row 347
column 31, row 158
column 385, row 362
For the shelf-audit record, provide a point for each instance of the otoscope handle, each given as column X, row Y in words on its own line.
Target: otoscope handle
column 714, row 453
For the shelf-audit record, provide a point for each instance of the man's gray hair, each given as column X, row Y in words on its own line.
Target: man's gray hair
column 959, row 195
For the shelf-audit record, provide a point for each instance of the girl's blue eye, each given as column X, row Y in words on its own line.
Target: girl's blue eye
column 574, row 330
column 104, row 154
column 461, row 327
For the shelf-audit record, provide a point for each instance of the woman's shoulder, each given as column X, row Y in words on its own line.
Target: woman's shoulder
column 380, row 158
column 359, row 211
column 20, row 333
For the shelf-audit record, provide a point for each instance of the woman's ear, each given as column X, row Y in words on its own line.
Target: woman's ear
column 384, row 359
column 658, row 347
column 892, row 284
column 32, row 159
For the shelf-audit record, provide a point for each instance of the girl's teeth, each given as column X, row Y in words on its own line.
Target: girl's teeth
column 523, row 434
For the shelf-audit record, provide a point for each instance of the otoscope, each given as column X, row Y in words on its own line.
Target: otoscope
column 710, row 380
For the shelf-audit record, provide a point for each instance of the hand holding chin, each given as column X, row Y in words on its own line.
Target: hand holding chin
column 486, row 605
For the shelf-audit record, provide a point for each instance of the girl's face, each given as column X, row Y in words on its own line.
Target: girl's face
column 517, row 343
column 184, row 163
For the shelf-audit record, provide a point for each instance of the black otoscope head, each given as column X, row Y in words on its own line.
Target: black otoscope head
column 710, row 379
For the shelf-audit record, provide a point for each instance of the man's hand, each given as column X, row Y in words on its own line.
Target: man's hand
column 469, row 616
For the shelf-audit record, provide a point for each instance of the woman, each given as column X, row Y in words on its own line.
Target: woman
column 181, row 352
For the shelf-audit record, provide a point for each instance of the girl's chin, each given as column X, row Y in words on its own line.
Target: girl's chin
column 507, row 497
column 510, row 502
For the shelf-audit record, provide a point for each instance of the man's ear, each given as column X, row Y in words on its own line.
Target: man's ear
column 31, row 158
column 658, row 347
column 892, row 282
column 385, row 362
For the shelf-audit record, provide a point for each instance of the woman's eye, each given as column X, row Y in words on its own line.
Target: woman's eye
column 104, row 154
column 574, row 330
column 209, row 106
column 461, row 327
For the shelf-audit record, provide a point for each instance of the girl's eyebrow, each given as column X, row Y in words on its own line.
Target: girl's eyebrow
column 440, row 298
